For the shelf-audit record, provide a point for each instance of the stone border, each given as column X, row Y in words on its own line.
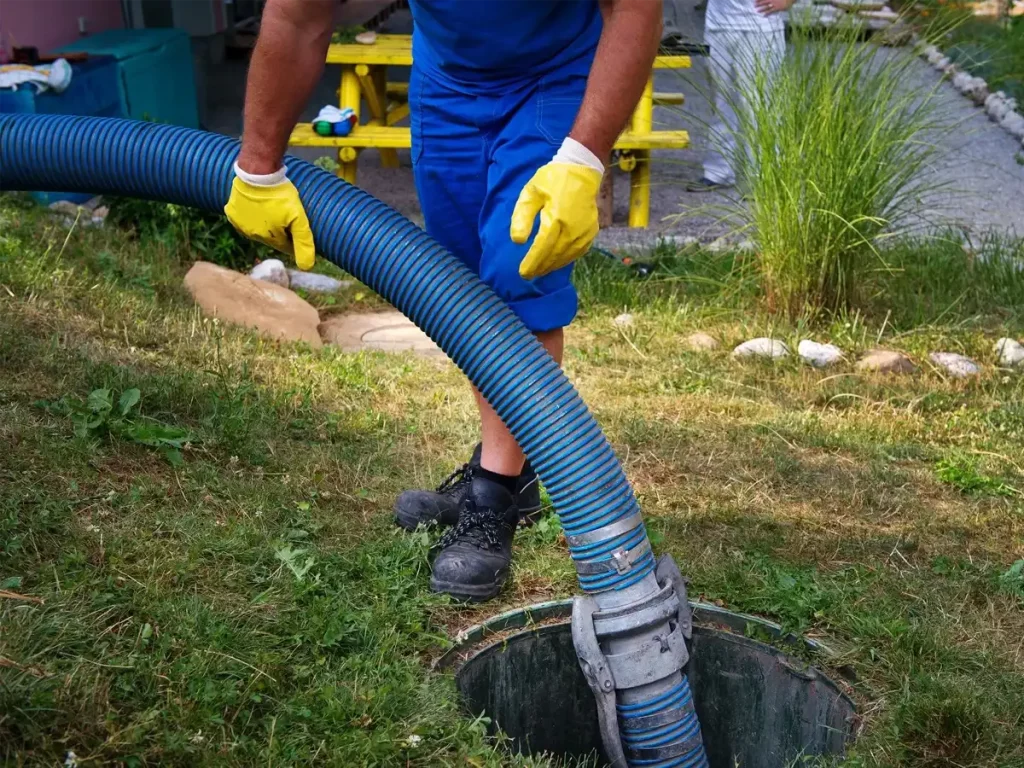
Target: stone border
column 1000, row 108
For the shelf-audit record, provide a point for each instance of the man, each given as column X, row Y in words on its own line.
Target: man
column 747, row 39
column 515, row 106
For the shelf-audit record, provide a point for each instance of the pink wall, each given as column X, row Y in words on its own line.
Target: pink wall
column 47, row 24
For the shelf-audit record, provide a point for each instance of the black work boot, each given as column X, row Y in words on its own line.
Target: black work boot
column 442, row 506
column 474, row 557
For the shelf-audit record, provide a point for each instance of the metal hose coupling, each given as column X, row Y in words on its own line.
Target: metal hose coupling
column 632, row 657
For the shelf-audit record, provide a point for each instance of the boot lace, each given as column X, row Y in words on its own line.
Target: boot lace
column 461, row 475
column 480, row 525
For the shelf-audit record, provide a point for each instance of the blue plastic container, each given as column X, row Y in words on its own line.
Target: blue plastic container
column 155, row 72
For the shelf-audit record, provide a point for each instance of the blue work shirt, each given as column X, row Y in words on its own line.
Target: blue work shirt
column 487, row 44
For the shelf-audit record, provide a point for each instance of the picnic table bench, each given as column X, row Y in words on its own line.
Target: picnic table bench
column 364, row 78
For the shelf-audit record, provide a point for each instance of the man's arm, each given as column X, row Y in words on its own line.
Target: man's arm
column 286, row 64
column 288, row 60
column 563, row 193
column 629, row 43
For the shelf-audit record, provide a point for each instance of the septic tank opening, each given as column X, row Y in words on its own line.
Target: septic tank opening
column 758, row 706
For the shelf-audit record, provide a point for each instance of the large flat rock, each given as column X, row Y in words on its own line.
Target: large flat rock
column 388, row 331
column 270, row 309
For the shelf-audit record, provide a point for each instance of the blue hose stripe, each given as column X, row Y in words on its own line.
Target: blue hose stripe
column 397, row 260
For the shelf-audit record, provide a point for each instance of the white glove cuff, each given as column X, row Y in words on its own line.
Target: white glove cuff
column 262, row 179
column 573, row 153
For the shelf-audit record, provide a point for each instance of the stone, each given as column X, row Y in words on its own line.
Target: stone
column 1009, row 352
column 67, row 208
column 315, row 282
column 819, row 355
column 1013, row 123
column 979, row 92
column 99, row 215
column 388, row 331
column 700, row 342
column 931, row 54
column 882, row 14
column 885, row 361
column 270, row 309
column 761, row 347
column 625, row 320
column 746, row 246
column 958, row 366
column 945, row 65
column 999, row 107
column 962, row 82
column 366, row 38
column 271, row 270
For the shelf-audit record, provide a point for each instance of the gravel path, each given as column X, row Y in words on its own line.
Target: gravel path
column 985, row 192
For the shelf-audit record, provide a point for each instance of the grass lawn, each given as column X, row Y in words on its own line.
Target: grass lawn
column 247, row 601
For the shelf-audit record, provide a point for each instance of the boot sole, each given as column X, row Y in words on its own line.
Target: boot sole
column 466, row 593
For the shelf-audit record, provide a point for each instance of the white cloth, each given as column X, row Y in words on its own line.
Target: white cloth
column 262, row 179
column 740, row 15
column 735, row 58
column 573, row 153
column 56, row 76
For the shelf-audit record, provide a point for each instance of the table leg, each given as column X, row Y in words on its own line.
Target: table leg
column 388, row 157
column 349, row 96
column 605, row 202
column 640, row 177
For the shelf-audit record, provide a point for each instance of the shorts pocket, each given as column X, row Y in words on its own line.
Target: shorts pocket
column 558, row 102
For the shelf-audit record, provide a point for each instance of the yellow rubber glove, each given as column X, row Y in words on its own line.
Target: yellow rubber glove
column 565, row 195
column 272, row 214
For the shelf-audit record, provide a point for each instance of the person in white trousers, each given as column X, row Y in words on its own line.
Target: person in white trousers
column 743, row 35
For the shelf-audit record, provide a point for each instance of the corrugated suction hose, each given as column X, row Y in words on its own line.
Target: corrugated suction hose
column 408, row 268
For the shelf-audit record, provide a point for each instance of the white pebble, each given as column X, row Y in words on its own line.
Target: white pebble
column 958, row 366
column 761, row 347
column 819, row 355
column 1010, row 352
column 1013, row 123
column 271, row 271
column 317, row 283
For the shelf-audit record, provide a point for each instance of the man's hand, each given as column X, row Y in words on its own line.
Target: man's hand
column 286, row 64
column 564, row 193
column 268, row 209
column 768, row 7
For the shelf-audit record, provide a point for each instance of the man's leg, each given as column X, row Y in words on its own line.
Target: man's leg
column 501, row 453
column 528, row 125
column 718, row 163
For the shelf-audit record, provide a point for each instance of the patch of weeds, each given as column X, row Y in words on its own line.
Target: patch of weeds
column 208, row 236
column 944, row 723
column 1012, row 581
column 963, row 474
column 97, row 417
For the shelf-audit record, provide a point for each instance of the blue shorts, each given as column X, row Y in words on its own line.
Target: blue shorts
column 472, row 155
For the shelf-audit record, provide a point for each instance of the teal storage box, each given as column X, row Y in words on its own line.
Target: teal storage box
column 154, row 69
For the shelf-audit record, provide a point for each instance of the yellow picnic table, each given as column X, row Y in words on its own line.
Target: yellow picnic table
column 364, row 77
